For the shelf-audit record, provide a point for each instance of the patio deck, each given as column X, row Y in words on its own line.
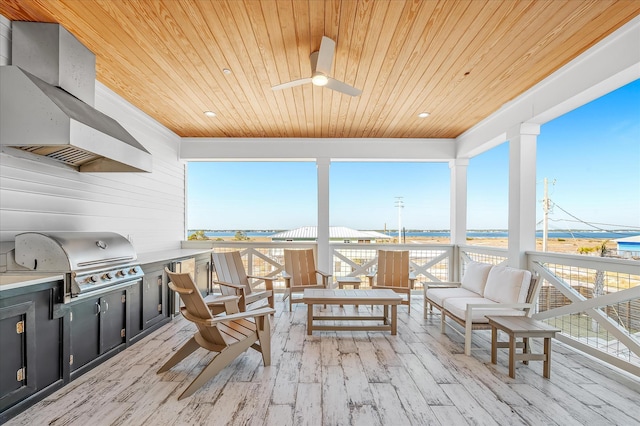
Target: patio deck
column 417, row 377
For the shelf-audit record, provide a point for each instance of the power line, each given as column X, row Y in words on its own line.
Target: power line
column 592, row 224
column 622, row 227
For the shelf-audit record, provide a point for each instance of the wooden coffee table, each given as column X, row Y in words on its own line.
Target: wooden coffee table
column 386, row 298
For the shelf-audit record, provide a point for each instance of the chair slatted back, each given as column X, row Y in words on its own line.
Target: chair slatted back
column 300, row 264
column 195, row 305
column 393, row 269
column 229, row 268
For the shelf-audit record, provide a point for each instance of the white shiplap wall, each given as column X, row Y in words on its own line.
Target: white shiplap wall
column 5, row 40
column 149, row 208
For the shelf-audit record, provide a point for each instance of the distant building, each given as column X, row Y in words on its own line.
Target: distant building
column 629, row 244
column 337, row 234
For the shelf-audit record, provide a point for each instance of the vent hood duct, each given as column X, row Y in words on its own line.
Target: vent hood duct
column 46, row 104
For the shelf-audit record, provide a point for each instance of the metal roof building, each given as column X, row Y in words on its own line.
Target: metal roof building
column 336, row 233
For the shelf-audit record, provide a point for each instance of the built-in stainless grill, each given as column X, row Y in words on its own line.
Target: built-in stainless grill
column 92, row 260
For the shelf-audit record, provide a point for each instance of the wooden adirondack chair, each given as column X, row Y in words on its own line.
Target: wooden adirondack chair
column 300, row 272
column 393, row 273
column 233, row 280
column 228, row 335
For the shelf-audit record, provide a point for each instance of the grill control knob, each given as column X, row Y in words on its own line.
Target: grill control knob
column 92, row 279
column 107, row 276
column 133, row 270
column 121, row 273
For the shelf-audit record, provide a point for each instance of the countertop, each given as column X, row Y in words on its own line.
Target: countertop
column 165, row 255
column 11, row 281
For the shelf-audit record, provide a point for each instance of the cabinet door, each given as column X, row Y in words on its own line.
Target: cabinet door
column 153, row 297
column 112, row 320
column 85, row 332
column 17, row 340
column 134, row 300
column 30, row 343
column 48, row 343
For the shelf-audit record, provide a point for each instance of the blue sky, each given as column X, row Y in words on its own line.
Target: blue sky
column 592, row 154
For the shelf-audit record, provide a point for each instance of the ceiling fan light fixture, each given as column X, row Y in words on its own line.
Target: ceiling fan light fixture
column 319, row 79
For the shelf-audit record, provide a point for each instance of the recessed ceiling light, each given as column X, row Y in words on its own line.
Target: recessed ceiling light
column 423, row 115
column 226, row 71
column 210, row 113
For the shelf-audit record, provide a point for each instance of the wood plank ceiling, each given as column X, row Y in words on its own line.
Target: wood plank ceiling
column 459, row 60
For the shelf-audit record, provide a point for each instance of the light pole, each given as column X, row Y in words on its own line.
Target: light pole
column 400, row 206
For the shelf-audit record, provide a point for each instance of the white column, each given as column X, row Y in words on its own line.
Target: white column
column 324, row 253
column 522, row 192
column 458, row 200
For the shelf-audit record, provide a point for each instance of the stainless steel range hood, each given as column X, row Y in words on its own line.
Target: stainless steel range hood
column 46, row 104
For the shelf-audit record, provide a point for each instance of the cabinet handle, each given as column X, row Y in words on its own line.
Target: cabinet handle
column 107, row 306
column 99, row 307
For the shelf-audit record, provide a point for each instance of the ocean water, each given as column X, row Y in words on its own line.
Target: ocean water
column 612, row 235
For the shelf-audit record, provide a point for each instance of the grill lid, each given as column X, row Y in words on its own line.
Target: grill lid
column 72, row 251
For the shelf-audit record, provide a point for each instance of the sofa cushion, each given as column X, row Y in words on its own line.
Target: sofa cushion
column 438, row 295
column 457, row 306
column 475, row 277
column 507, row 285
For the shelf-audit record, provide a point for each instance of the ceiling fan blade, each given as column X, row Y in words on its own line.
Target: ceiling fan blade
column 325, row 55
column 341, row 87
column 293, row 83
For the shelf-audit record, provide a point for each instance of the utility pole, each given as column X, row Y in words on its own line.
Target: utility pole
column 400, row 206
column 545, row 218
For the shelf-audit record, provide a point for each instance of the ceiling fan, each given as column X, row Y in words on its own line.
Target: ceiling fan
column 320, row 67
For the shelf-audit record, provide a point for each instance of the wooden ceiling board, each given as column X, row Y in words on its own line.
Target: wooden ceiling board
column 460, row 60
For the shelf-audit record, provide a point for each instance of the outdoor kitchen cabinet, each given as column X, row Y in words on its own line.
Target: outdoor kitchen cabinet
column 149, row 300
column 97, row 325
column 30, row 342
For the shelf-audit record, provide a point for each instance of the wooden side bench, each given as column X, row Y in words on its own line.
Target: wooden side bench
column 525, row 328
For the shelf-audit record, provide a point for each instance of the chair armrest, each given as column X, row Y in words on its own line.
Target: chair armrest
column 412, row 280
column 226, row 284
column 287, row 279
column 493, row 307
column 371, row 277
column 268, row 281
column 209, row 322
column 179, row 290
column 219, row 300
column 240, row 315
column 325, row 278
column 230, row 303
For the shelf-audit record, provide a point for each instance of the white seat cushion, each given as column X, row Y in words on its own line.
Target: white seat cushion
column 507, row 285
column 438, row 295
column 475, row 277
column 458, row 307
